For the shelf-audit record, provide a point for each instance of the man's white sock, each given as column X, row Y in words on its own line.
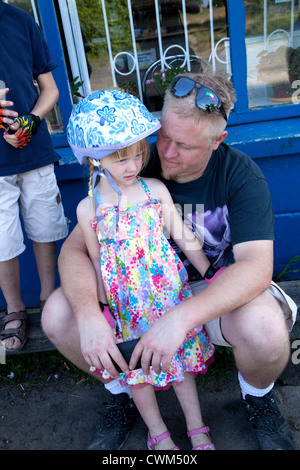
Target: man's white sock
column 247, row 389
column 115, row 388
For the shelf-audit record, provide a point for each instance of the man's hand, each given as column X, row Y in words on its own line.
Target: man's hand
column 98, row 345
column 159, row 344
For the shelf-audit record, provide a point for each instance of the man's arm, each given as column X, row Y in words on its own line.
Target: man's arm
column 79, row 283
column 241, row 282
column 77, row 275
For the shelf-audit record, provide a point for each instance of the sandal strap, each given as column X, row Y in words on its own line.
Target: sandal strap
column 8, row 317
column 152, row 441
column 18, row 332
column 208, row 446
column 203, row 430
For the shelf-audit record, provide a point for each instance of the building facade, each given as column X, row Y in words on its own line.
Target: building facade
column 101, row 44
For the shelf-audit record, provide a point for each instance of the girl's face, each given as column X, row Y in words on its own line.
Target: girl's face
column 125, row 170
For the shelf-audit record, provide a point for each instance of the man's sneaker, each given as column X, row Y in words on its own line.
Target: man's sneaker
column 113, row 431
column 270, row 427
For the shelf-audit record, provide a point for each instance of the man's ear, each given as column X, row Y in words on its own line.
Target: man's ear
column 219, row 140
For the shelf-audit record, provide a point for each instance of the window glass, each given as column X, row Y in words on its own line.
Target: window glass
column 273, row 52
column 53, row 118
column 109, row 47
column 26, row 5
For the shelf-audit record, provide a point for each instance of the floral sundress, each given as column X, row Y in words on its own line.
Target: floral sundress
column 143, row 278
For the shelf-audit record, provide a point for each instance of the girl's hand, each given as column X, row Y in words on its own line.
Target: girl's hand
column 98, row 345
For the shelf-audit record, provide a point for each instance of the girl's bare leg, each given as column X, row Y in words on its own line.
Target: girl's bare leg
column 187, row 396
column 146, row 403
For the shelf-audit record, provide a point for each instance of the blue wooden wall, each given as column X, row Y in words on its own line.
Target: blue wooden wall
column 274, row 147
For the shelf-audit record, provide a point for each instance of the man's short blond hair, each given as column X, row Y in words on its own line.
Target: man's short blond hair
column 186, row 107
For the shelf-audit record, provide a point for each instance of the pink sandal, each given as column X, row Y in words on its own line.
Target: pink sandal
column 152, row 441
column 204, row 430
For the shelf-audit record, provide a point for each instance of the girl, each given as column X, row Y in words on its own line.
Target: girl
column 141, row 275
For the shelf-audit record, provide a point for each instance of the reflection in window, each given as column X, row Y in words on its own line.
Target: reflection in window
column 109, row 45
column 26, row 5
column 273, row 51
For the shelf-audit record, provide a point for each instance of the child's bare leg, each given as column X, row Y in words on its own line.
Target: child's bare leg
column 187, row 396
column 146, row 403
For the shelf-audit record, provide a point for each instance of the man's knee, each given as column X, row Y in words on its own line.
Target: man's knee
column 258, row 327
column 55, row 313
column 271, row 341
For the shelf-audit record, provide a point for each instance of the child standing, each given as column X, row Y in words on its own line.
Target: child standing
column 141, row 276
column 29, row 188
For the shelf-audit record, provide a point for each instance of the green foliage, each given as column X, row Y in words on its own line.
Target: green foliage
column 130, row 87
column 224, row 358
column 293, row 58
column 286, row 269
column 92, row 25
column 37, row 368
column 163, row 78
column 75, row 84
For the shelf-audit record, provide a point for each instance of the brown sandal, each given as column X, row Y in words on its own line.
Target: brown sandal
column 19, row 332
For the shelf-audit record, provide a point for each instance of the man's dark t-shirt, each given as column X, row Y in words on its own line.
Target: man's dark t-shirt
column 229, row 204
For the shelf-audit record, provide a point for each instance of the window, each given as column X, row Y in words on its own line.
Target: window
column 273, row 51
column 112, row 43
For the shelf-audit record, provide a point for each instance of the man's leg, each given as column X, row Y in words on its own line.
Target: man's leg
column 59, row 324
column 260, row 340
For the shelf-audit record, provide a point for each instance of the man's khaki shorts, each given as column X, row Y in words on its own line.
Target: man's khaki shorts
column 36, row 196
column 213, row 328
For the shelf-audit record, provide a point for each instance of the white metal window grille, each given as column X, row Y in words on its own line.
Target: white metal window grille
column 71, row 25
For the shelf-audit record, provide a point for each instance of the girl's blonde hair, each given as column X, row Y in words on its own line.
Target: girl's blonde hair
column 142, row 146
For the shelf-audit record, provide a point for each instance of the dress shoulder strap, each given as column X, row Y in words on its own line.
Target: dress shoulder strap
column 146, row 188
column 97, row 195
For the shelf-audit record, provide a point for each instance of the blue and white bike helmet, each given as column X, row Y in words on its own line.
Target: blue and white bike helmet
column 107, row 121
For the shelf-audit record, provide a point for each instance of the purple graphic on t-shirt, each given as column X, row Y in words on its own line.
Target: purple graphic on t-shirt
column 213, row 231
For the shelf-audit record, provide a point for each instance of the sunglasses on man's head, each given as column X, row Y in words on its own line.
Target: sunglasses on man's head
column 206, row 99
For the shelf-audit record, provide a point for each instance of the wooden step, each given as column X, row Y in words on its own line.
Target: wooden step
column 37, row 341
